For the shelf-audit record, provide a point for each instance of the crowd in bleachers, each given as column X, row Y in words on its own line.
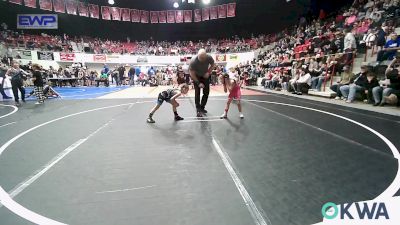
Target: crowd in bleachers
column 313, row 55
column 65, row 43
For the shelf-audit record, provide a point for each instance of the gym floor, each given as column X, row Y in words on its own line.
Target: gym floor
column 96, row 161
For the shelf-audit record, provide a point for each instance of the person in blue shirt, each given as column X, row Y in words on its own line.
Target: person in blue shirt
column 151, row 72
column 105, row 68
column 137, row 71
column 391, row 47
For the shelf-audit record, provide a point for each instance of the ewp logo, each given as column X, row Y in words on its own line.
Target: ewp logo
column 37, row 21
column 362, row 211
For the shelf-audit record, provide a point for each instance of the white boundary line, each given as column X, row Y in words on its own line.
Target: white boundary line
column 323, row 130
column 205, row 117
column 20, row 187
column 23, row 212
column 7, row 124
column 395, row 185
column 199, row 120
column 251, row 206
column 18, row 209
column 123, row 190
column 14, row 111
column 7, row 201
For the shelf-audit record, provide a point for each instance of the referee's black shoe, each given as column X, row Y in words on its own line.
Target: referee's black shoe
column 199, row 114
column 202, row 110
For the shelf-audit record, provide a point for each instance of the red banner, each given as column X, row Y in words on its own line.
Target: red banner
column 46, row 5
column 72, row 6
column 30, row 3
column 231, row 10
column 222, row 11
column 99, row 58
column 59, row 6
column 135, row 15
column 171, row 16
column 206, row 14
column 94, row 11
column 154, row 17
column 19, row 2
column 67, row 56
column 125, row 14
column 162, row 16
column 197, row 15
column 213, row 12
column 187, row 15
column 116, row 13
column 178, row 16
column 83, row 9
column 144, row 16
column 105, row 13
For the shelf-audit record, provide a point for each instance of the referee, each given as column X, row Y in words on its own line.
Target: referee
column 199, row 69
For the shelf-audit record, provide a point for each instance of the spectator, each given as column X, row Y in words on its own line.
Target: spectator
column 386, row 89
column 143, row 79
column 349, row 45
column 368, row 39
column 344, row 80
column 371, row 83
column 131, row 75
column 357, row 85
column 323, row 76
column 381, row 36
column 3, row 70
column 302, row 84
column 153, row 82
column 115, row 76
column 121, row 72
column 390, row 49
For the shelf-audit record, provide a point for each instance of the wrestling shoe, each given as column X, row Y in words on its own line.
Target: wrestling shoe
column 224, row 116
column 178, row 118
column 241, row 116
column 150, row 120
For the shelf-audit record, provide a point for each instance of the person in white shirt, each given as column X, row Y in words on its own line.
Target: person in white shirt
column 349, row 45
column 303, row 83
column 369, row 38
column 349, row 40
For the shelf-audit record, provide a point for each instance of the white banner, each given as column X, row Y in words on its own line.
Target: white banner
column 231, row 59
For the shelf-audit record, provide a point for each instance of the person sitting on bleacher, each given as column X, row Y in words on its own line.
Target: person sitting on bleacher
column 386, row 89
column 344, row 80
column 391, row 47
column 265, row 82
column 370, row 84
column 302, row 84
column 103, row 77
column 322, row 75
column 295, row 73
column 358, row 84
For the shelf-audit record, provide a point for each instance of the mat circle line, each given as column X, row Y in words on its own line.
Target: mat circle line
column 12, row 112
column 29, row 215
